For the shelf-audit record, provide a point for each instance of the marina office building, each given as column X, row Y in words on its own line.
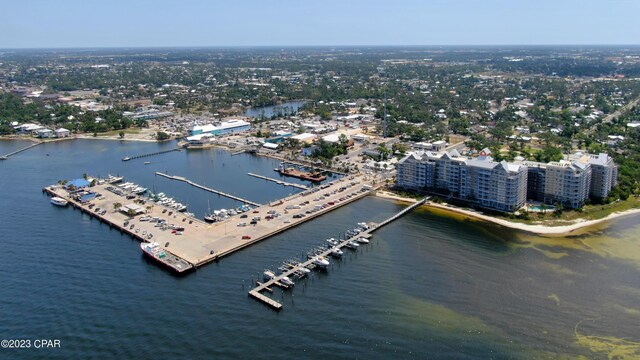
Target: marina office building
column 505, row 186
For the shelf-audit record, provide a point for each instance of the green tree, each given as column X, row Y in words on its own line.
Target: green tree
column 161, row 135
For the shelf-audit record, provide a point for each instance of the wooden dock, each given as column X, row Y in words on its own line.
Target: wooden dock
column 279, row 182
column 256, row 292
column 7, row 156
column 181, row 178
column 149, row 154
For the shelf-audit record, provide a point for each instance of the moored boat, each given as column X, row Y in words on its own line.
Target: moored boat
column 158, row 254
column 268, row 275
column 58, row 201
column 286, row 281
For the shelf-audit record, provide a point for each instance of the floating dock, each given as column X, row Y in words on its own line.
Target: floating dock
column 180, row 178
column 200, row 243
column 255, row 292
column 304, row 175
column 149, row 154
column 279, row 182
column 7, row 156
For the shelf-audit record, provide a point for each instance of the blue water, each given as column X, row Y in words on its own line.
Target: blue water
column 427, row 287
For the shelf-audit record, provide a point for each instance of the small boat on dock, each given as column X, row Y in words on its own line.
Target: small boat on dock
column 352, row 245
column 268, row 275
column 362, row 240
column 58, row 201
column 286, row 281
column 337, row 253
column 320, row 261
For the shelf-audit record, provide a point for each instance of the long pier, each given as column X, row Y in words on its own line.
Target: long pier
column 279, row 182
column 149, row 154
column 256, row 292
column 6, row 157
column 180, row 178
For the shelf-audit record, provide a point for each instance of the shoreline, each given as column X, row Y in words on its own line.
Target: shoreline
column 577, row 224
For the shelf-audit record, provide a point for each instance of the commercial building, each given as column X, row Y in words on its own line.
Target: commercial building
column 225, row 127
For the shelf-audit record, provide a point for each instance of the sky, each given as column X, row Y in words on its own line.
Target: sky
column 195, row 23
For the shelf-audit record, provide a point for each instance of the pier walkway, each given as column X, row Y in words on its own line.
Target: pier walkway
column 256, row 292
column 5, row 157
column 149, row 154
column 180, row 178
column 280, row 182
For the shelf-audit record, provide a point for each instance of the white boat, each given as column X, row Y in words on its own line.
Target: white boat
column 286, row 281
column 337, row 253
column 268, row 275
column 320, row 261
column 362, row 240
column 332, row 241
column 58, row 201
column 363, row 225
column 352, row 245
column 114, row 179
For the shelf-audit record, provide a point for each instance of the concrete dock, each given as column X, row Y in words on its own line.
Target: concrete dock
column 279, row 182
column 256, row 292
column 200, row 243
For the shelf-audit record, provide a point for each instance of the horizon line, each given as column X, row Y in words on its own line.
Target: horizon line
column 308, row 46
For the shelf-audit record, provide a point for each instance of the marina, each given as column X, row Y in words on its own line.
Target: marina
column 318, row 257
column 182, row 237
column 279, row 182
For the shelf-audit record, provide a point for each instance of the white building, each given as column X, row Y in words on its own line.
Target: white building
column 62, row 133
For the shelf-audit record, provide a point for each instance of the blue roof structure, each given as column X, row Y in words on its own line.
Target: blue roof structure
column 77, row 183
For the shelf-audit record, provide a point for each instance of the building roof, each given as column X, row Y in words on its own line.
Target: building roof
column 303, row 136
column 223, row 126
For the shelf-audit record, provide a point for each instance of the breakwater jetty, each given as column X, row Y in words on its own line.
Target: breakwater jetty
column 218, row 192
column 279, row 182
column 149, row 154
column 302, row 267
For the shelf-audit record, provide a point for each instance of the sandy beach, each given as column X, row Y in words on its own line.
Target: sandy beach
column 539, row 229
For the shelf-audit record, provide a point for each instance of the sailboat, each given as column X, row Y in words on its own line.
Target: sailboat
column 210, row 217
